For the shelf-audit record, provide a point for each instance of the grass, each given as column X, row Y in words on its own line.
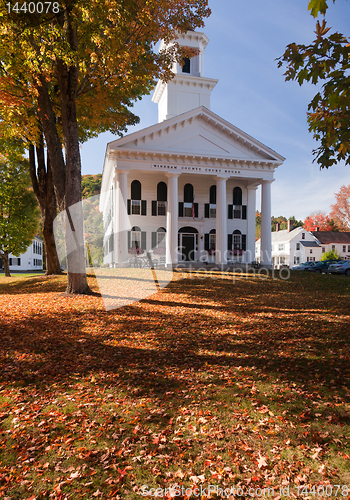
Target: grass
column 238, row 381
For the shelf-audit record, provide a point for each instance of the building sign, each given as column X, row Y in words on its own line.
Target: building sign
column 203, row 170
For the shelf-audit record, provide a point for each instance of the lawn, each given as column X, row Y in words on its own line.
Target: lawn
column 229, row 381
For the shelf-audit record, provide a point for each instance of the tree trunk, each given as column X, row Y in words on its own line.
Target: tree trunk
column 53, row 142
column 44, row 191
column 66, row 178
column 67, row 77
column 5, row 258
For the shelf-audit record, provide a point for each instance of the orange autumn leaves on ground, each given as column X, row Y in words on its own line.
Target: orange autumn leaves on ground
column 230, row 380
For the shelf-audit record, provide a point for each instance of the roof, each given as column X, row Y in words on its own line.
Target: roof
column 326, row 237
column 309, row 243
column 284, row 235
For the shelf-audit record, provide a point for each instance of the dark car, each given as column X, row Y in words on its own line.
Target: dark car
column 322, row 266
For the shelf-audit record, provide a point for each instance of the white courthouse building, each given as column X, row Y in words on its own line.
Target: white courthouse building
column 186, row 186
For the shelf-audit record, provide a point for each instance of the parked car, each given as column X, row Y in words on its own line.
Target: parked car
column 341, row 267
column 322, row 266
column 304, row 266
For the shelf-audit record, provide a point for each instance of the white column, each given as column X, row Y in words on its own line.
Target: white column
column 115, row 224
column 221, row 221
column 265, row 256
column 123, row 219
column 172, row 218
column 251, row 218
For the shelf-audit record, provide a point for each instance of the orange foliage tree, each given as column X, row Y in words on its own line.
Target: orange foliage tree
column 341, row 209
column 321, row 222
column 83, row 64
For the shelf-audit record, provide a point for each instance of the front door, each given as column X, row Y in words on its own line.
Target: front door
column 188, row 246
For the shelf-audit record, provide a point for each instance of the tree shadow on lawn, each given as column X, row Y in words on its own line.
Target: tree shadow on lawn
column 294, row 344
column 35, row 284
column 197, row 345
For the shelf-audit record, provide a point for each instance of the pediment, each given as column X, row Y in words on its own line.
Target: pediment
column 201, row 133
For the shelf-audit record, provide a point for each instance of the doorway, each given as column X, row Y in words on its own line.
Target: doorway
column 188, row 243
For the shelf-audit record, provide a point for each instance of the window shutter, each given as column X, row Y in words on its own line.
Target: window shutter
column 144, row 207
column 206, row 210
column 154, row 207
column 181, row 209
column 244, row 211
column 143, row 240
column 129, row 207
column 230, row 211
column 195, row 210
column 229, row 242
column 206, row 242
column 244, row 242
column 154, row 239
column 129, row 239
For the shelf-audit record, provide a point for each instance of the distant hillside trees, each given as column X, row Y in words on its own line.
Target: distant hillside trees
column 90, row 185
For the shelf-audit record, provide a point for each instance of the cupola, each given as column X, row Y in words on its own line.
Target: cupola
column 189, row 89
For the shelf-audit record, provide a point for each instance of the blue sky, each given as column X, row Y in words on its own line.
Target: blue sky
column 246, row 37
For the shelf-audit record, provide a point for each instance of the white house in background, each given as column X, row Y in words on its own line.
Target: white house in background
column 30, row 260
column 329, row 240
column 291, row 246
column 186, row 186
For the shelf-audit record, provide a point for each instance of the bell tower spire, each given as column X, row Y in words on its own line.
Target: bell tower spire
column 189, row 89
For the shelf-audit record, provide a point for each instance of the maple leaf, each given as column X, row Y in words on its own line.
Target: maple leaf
column 262, row 462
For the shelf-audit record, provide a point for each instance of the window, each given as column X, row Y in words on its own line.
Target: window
column 281, row 247
column 135, row 207
column 135, row 237
column 212, row 201
column 161, row 207
column 212, row 195
column 161, row 237
column 186, row 66
column 298, row 246
column 212, row 211
column 136, row 198
column 162, row 192
column 188, row 193
column 210, row 208
column 348, row 248
column 237, row 196
column 296, row 260
column 237, row 203
column 188, row 200
column 187, row 209
column 237, row 240
column 312, row 259
column 310, row 250
column 212, row 239
column 344, row 248
column 323, row 249
column 303, row 236
column 136, row 190
column 333, row 248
